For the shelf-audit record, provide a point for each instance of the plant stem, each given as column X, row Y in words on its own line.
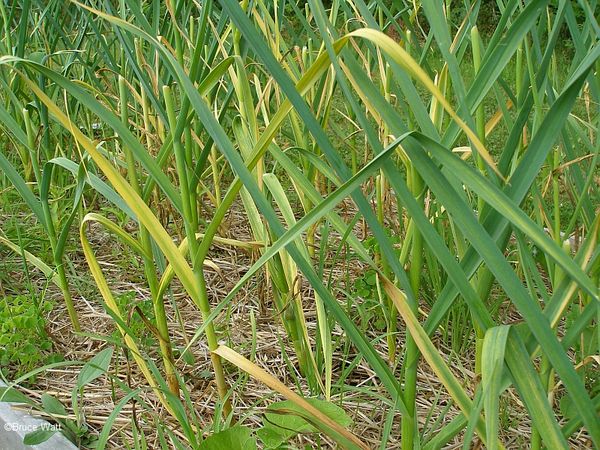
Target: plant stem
column 157, row 301
column 409, row 425
column 197, row 260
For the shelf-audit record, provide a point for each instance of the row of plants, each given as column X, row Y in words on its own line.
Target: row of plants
column 457, row 172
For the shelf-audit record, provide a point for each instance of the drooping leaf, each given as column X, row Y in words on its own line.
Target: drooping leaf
column 38, row 436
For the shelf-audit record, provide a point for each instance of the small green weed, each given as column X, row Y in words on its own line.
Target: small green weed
column 282, row 422
column 127, row 303
column 24, row 343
